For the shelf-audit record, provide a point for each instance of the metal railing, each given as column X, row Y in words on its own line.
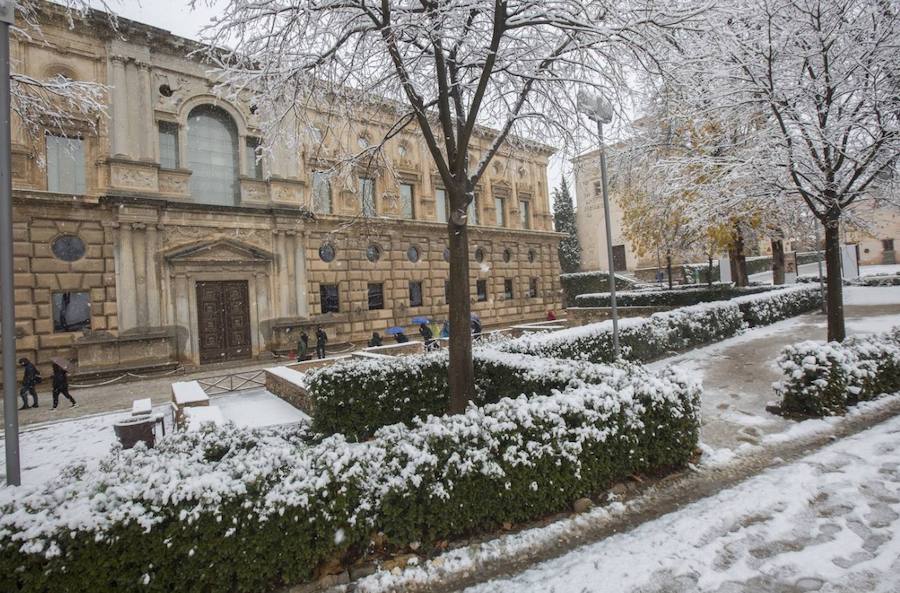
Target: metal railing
column 236, row 382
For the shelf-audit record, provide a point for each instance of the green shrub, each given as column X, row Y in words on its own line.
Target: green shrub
column 589, row 282
column 246, row 511
column 822, row 379
column 679, row 297
column 768, row 308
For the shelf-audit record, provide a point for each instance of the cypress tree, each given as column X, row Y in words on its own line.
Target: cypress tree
column 564, row 222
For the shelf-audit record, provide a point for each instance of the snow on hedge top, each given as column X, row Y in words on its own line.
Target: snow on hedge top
column 272, row 471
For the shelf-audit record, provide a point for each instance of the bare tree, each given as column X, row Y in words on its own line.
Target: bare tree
column 58, row 103
column 815, row 85
column 446, row 67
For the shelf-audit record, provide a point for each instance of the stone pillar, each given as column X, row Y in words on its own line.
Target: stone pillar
column 134, row 141
column 289, row 270
column 282, row 279
column 300, row 275
column 146, row 135
column 139, row 265
column 154, row 296
column 262, row 306
column 119, row 107
column 183, row 312
column 125, row 288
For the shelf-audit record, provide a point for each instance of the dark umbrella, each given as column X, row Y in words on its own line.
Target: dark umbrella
column 61, row 362
column 393, row 331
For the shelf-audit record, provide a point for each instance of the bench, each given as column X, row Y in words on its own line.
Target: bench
column 187, row 394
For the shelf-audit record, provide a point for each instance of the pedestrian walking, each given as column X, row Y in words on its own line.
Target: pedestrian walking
column 303, row 346
column 428, row 336
column 445, row 329
column 32, row 377
column 401, row 338
column 321, row 340
column 476, row 328
column 551, row 315
column 61, row 385
column 376, row 340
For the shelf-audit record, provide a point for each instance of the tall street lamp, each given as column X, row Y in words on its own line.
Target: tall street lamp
column 598, row 109
column 7, row 295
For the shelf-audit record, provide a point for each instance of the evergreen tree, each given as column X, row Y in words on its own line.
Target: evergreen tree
column 564, row 222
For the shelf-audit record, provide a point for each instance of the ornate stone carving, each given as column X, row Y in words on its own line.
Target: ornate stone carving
column 133, row 177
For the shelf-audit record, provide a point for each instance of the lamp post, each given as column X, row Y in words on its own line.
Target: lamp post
column 7, row 294
column 598, row 110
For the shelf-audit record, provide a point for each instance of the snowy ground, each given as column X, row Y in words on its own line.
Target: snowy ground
column 829, row 522
column 47, row 448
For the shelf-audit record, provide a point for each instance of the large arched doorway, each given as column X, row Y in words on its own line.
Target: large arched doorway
column 212, row 153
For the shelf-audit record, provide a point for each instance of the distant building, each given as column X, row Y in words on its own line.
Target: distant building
column 162, row 237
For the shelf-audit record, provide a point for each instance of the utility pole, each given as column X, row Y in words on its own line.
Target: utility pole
column 7, row 293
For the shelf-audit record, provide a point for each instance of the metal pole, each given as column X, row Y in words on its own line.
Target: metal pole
column 609, row 252
column 7, row 294
column 819, row 260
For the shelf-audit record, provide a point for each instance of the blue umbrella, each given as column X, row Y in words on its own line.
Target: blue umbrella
column 393, row 331
column 418, row 320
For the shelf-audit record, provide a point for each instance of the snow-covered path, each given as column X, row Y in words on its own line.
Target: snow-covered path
column 829, row 522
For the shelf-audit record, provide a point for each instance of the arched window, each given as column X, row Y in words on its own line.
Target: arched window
column 213, row 156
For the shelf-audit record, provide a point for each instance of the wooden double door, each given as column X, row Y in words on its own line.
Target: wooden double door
column 223, row 319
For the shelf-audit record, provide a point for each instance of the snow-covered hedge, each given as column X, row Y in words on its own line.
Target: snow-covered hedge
column 822, row 379
column 587, row 282
column 678, row 297
column 645, row 339
column 235, row 510
column 359, row 397
column 878, row 280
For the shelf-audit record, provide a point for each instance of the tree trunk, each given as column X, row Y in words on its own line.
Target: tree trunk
column 739, row 268
column 669, row 269
column 709, row 272
column 777, row 261
column 462, row 372
column 834, row 288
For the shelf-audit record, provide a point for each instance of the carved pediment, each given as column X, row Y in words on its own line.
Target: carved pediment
column 217, row 251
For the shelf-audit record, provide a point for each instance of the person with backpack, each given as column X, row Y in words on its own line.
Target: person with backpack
column 61, row 385
column 32, row 377
column 427, row 336
column 321, row 340
column 303, row 346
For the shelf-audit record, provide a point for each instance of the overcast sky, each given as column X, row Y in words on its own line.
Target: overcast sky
column 177, row 17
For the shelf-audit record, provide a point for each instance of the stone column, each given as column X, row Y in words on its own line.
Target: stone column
column 183, row 312
column 134, row 141
column 262, row 305
column 119, row 106
column 300, row 275
column 282, row 277
column 290, row 270
column 125, row 287
column 147, row 139
column 154, row 296
column 139, row 265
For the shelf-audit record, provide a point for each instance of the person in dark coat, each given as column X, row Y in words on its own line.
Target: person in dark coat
column 321, row 340
column 476, row 328
column 401, row 338
column 61, row 385
column 445, row 329
column 376, row 340
column 303, row 346
column 32, row 377
column 428, row 336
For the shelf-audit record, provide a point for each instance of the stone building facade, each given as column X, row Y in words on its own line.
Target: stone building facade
column 156, row 236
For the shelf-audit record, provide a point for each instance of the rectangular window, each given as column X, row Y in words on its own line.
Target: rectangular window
column 367, row 196
column 328, row 295
column 472, row 211
column 253, row 154
column 508, row 288
column 441, row 208
column 65, row 165
column 887, row 244
column 71, row 311
column 407, row 208
column 376, row 296
column 321, row 190
column 481, row 290
column 532, row 288
column 168, row 145
column 446, row 292
column 500, row 208
column 415, row 294
column 525, row 214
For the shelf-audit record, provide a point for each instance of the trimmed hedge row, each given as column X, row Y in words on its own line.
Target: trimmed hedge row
column 588, row 282
column 236, row 510
column 755, row 265
column 823, row 379
column 681, row 297
column 645, row 339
